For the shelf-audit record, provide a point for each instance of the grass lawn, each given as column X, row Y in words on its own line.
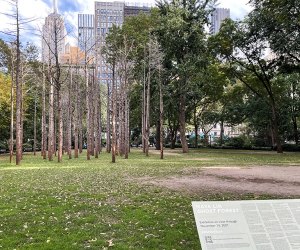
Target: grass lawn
column 95, row 204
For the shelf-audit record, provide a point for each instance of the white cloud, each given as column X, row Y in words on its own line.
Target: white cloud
column 238, row 8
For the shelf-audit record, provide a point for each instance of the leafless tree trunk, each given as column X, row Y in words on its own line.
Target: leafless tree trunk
column 80, row 117
column 92, row 112
column 127, row 130
column 34, row 125
column 44, row 131
column 147, row 120
column 75, row 121
column 113, row 117
column 96, row 117
column 144, row 124
column 100, row 120
column 60, row 126
column 51, row 140
column 19, row 98
column 161, row 116
column 11, row 141
column 88, row 138
column 70, row 114
column 108, row 120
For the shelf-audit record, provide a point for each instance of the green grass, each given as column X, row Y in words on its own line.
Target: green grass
column 95, row 204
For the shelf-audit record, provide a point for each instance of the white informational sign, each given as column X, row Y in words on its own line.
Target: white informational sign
column 248, row 225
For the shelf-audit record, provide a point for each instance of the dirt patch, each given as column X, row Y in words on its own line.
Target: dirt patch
column 258, row 180
column 198, row 159
column 157, row 152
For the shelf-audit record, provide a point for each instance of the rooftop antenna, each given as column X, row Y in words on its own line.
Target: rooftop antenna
column 55, row 7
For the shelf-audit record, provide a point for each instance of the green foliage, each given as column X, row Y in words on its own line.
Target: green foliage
column 278, row 21
column 5, row 85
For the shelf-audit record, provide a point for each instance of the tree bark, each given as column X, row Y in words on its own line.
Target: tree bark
column 295, row 128
column 19, row 95
column 275, row 126
column 184, row 144
column 92, row 113
column 108, row 120
column 11, row 141
column 161, row 118
column 51, row 122
column 147, row 127
column 44, row 130
column 222, row 133
column 76, row 119
column 34, row 126
column 70, row 115
column 96, row 119
column 113, row 118
column 60, row 126
column 79, row 109
column 88, row 142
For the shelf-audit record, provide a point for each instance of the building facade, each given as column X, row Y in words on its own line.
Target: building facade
column 86, row 37
column 216, row 19
column 53, row 36
column 108, row 14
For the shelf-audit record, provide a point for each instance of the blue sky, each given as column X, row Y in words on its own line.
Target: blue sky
column 39, row 9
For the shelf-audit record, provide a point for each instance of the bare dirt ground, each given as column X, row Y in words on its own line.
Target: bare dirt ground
column 273, row 180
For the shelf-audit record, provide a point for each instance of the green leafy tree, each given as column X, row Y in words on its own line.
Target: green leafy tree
column 182, row 38
column 278, row 21
column 243, row 46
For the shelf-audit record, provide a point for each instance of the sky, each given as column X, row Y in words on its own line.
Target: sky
column 69, row 9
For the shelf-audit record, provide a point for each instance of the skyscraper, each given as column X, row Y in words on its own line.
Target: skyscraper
column 217, row 17
column 108, row 14
column 53, row 36
column 86, row 38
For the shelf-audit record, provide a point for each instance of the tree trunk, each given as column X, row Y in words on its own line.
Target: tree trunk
column 196, row 135
column 147, row 127
column 157, row 134
column 79, row 109
column 96, row 119
column 108, row 119
column 295, row 128
column 44, row 130
column 51, row 140
column 69, row 125
column 34, row 126
column 275, row 126
column 144, row 109
column 196, row 127
column 60, row 126
column 127, row 130
column 19, row 95
column 113, row 118
column 184, row 144
column 88, row 142
column 75, row 121
column 161, row 119
column 222, row 133
column 11, row 141
column 100, row 120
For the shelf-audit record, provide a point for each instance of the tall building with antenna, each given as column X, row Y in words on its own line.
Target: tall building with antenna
column 53, row 36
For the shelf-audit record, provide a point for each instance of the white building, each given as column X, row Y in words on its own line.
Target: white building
column 53, row 36
column 216, row 19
